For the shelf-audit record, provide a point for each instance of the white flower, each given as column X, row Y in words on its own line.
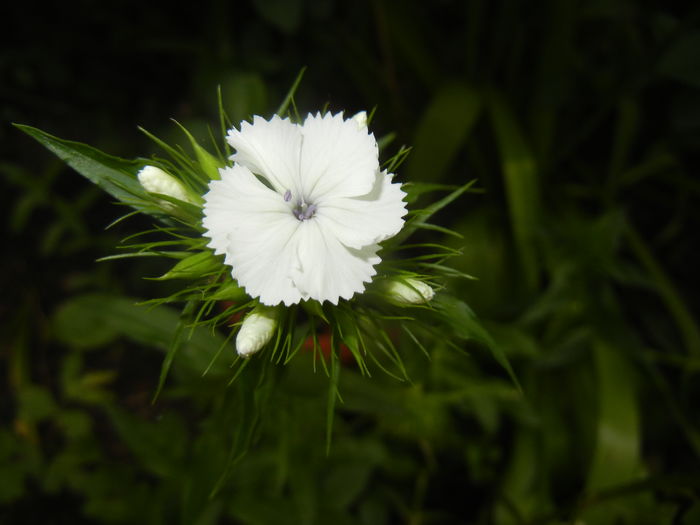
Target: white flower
column 409, row 291
column 155, row 180
column 361, row 119
column 257, row 330
column 300, row 213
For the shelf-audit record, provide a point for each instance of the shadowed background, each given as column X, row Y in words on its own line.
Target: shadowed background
column 581, row 123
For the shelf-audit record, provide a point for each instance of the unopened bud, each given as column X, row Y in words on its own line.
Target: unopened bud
column 409, row 291
column 155, row 180
column 257, row 330
column 361, row 119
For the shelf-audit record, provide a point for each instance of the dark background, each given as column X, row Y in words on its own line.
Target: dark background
column 581, row 122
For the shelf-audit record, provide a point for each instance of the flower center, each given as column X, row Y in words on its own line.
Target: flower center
column 304, row 211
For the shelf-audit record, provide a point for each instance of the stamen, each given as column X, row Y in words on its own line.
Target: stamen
column 287, row 195
column 304, row 212
column 309, row 212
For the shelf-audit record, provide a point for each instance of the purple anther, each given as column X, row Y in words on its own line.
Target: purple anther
column 304, row 212
column 287, row 195
column 308, row 212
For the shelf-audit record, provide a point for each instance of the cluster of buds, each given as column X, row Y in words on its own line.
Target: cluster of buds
column 260, row 324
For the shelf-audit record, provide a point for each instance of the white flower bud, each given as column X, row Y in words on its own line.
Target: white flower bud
column 361, row 119
column 155, row 180
column 409, row 291
column 257, row 329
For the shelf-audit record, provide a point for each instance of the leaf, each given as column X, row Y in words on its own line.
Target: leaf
column 152, row 326
column 208, row 163
column 255, row 390
column 443, row 129
column 114, row 175
column 172, row 350
column 158, row 445
column 616, row 458
column 520, row 179
column 332, row 395
column 282, row 110
column 463, row 322
column 421, row 217
column 81, row 327
column 245, row 94
column 35, row 403
column 416, row 189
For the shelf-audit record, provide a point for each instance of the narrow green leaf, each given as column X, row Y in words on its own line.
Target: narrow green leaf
column 255, row 388
column 172, row 350
column 422, row 216
column 349, row 334
column 442, row 131
column 397, row 160
column 520, row 180
column 114, row 175
column 441, row 229
column 77, row 319
column 332, row 393
column 176, row 153
column 224, row 120
column 209, row 163
column 460, row 318
column 616, row 458
column 282, row 110
column 416, row 189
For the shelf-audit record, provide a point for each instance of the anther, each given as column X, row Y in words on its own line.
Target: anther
column 287, row 196
column 304, row 212
column 308, row 212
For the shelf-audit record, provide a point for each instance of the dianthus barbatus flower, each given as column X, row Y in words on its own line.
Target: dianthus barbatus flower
column 300, row 213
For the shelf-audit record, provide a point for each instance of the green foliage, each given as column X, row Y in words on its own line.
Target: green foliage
column 578, row 123
column 115, row 176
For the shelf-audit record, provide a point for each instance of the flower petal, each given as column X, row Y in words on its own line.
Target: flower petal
column 270, row 149
column 315, row 233
column 338, row 158
column 328, row 270
column 369, row 219
column 254, row 228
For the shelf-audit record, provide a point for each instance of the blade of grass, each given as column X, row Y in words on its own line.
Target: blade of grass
column 521, row 185
column 616, row 456
column 290, row 94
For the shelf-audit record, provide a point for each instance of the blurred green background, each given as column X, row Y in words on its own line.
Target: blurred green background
column 581, row 122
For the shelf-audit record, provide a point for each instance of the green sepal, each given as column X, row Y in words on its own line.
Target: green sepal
column 315, row 308
column 229, row 292
column 208, row 163
column 192, row 267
